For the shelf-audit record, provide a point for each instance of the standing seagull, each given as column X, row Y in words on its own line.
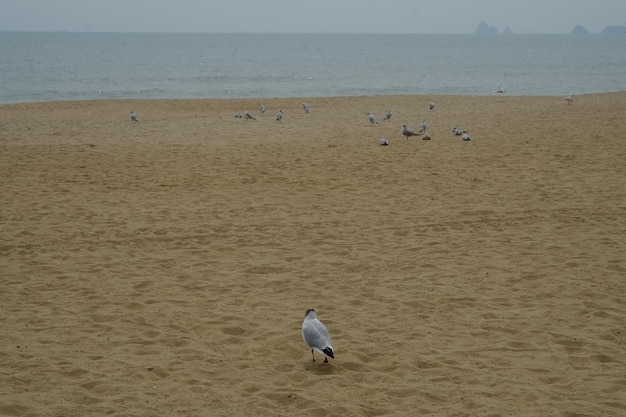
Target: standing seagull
column 372, row 119
column 247, row 116
column 279, row 116
column 262, row 107
column 387, row 115
column 315, row 335
column 423, row 127
column 133, row 117
column 306, row 107
column 407, row 131
column 431, row 105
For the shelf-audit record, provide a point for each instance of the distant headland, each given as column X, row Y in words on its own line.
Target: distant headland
column 484, row 29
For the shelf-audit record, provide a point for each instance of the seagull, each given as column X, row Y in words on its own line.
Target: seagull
column 247, row 116
column 315, row 335
column 383, row 141
column 431, row 105
column 306, row 107
column 569, row 99
column 423, row 127
column 262, row 107
column 465, row 137
column 279, row 116
column 426, row 136
column 238, row 116
column 387, row 115
column 407, row 131
column 500, row 90
column 372, row 119
column 133, row 117
column 457, row 131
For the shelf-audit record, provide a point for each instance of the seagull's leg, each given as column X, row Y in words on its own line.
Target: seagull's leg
column 313, row 354
column 325, row 359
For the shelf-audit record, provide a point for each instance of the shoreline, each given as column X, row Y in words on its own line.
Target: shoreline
column 310, row 98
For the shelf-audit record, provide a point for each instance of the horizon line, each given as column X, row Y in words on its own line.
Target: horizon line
column 297, row 33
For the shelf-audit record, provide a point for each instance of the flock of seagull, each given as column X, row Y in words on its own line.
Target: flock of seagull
column 279, row 115
column 407, row 132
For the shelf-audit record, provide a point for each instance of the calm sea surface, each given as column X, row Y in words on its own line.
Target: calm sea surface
column 81, row 66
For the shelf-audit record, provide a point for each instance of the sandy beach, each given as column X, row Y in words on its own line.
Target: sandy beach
column 163, row 268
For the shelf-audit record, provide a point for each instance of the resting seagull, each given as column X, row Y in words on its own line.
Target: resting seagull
column 315, row 335
column 407, row 131
column 372, row 119
column 457, row 131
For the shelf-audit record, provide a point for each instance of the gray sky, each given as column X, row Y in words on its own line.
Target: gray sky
column 309, row 16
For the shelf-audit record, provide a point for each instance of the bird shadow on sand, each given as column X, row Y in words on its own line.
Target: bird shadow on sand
column 320, row 368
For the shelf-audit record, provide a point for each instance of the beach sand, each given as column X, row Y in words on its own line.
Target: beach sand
column 163, row 268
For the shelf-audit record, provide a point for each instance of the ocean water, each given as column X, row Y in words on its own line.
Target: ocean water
column 84, row 66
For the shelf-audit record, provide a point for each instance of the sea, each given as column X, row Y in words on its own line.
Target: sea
column 38, row 66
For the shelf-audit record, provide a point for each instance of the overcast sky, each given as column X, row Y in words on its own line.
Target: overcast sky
column 309, row 16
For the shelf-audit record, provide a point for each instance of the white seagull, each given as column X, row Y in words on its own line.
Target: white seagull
column 262, row 107
column 407, row 131
column 569, row 99
column 465, row 137
column 247, row 116
column 388, row 115
column 383, row 141
column 133, row 117
column 306, row 107
column 457, row 131
column 431, row 105
column 372, row 119
column 315, row 335
column 279, row 116
column 423, row 127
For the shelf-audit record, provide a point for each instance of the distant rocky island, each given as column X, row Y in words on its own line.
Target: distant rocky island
column 614, row 29
column 484, row 29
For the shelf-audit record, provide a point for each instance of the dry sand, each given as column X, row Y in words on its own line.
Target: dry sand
column 163, row 268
